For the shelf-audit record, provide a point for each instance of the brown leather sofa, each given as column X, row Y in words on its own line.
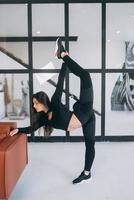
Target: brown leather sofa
column 13, row 158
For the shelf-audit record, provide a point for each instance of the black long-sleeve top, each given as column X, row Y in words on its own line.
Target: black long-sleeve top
column 60, row 120
column 60, row 113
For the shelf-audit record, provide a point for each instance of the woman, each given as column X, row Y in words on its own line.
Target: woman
column 55, row 114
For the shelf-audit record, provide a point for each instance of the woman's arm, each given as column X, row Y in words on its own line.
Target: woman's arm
column 25, row 130
column 38, row 122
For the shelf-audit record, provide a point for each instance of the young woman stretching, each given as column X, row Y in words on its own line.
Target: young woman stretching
column 54, row 114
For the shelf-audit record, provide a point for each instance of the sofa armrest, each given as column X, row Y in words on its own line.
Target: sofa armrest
column 4, row 131
column 5, row 128
column 13, row 159
column 12, row 125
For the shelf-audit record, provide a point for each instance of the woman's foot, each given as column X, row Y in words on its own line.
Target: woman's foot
column 82, row 177
column 59, row 49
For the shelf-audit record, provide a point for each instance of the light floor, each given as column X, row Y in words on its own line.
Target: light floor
column 52, row 167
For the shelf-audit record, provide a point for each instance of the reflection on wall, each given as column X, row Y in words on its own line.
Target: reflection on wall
column 16, row 95
column 13, row 55
column 119, row 28
column 122, row 97
column 129, row 61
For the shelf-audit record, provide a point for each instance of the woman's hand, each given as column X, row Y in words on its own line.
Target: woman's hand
column 13, row 132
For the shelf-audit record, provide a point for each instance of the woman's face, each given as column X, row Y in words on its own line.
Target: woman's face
column 38, row 106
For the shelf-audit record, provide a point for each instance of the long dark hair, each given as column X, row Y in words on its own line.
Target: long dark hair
column 43, row 98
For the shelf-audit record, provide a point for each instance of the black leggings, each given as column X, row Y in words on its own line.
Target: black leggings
column 83, row 109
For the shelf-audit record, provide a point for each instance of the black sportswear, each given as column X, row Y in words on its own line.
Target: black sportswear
column 83, row 109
